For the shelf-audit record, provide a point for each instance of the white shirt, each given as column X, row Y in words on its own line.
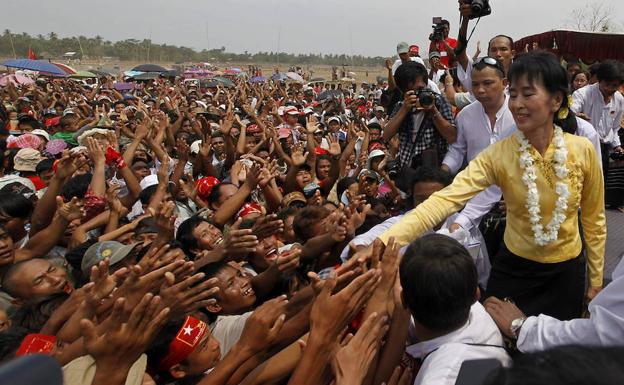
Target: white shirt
column 604, row 117
column 228, row 329
column 604, row 327
column 474, row 134
column 398, row 63
column 444, row 355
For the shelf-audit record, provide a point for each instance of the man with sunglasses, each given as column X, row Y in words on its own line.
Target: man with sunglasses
column 483, row 122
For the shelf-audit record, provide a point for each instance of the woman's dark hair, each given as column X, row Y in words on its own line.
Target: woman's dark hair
column 15, row 205
column 76, row 187
column 439, row 281
column 408, row 73
column 543, row 67
column 610, row 70
column 10, row 341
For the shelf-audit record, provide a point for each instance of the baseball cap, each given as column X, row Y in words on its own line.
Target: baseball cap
column 195, row 146
column 376, row 153
column 402, row 47
column 310, row 189
column 68, row 111
column 291, row 110
column 414, row 49
column 205, row 185
column 146, row 226
column 369, row 174
column 41, row 132
column 295, row 196
column 283, row 133
column 433, row 54
column 113, row 250
column 333, row 119
column 52, row 121
column 26, row 159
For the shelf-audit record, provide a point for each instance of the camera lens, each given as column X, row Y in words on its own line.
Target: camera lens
column 476, row 6
column 425, row 99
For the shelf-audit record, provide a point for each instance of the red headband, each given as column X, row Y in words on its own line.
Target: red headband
column 36, row 344
column 184, row 343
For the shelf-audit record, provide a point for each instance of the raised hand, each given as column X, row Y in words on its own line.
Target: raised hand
column 263, row 326
column 188, row 295
column 334, row 145
column 182, row 150
column 96, row 152
column 298, row 157
column 311, row 124
column 71, row 210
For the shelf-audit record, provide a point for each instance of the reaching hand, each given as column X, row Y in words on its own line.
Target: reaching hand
column 355, row 355
column 334, row 145
column 96, row 152
column 503, row 313
column 312, row 124
column 127, row 340
column 298, row 157
column 188, row 295
column 71, row 210
column 263, row 326
column 183, row 150
column 288, row 261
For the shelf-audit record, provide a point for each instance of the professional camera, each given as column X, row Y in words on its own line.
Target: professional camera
column 479, row 8
column 438, row 30
column 425, row 97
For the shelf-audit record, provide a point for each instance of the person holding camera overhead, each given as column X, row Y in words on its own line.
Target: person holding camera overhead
column 423, row 120
column 441, row 42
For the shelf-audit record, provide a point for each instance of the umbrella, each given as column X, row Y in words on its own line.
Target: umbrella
column 317, row 80
column 131, row 74
column 257, row 79
column 224, row 81
column 123, row 86
column 149, row 68
column 15, row 79
column 83, row 74
column 102, row 72
column 279, row 77
column 211, row 84
column 171, row 73
column 230, row 72
column 67, row 69
column 42, row 66
column 198, row 74
column 294, row 76
column 328, row 94
column 146, row 76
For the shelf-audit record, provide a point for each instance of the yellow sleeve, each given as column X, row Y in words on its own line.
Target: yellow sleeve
column 475, row 178
column 593, row 217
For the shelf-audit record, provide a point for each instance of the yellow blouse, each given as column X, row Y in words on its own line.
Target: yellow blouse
column 499, row 164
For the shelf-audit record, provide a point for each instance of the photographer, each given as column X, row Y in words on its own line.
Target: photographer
column 424, row 120
column 444, row 44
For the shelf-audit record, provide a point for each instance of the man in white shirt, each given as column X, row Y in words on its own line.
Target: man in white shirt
column 604, row 327
column 483, row 122
column 603, row 106
column 439, row 282
column 406, row 54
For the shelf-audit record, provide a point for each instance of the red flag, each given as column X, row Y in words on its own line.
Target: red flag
column 31, row 54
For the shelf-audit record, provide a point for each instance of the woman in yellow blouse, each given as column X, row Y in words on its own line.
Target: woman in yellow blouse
column 546, row 176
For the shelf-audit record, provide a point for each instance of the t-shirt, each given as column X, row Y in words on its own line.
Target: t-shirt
column 441, row 47
column 227, row 330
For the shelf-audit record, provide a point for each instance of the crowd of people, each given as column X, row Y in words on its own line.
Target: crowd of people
column 287, row 233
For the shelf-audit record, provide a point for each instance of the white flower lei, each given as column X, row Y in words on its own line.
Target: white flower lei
column 561, row 188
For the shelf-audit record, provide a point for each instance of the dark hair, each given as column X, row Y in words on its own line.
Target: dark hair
column 343, row 184
column 481, row 64
column 593, row 69
column 44, row 165
column 185, row 236
column 10, row 341
column 215, row 193
column 511, row 41
column 431, row 174
column 159, row 347
column 15, row 205
column 543, row 67
column 439, row 281
column 35, row 313
column 610, row 70
column 408, row 73
column 147, row 193
column 76, row 187
column 65, row 121
column 289, row 211
column 564, row 365
column 306, row 218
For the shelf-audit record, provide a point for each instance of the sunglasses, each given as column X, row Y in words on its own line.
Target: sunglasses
column 491, row 62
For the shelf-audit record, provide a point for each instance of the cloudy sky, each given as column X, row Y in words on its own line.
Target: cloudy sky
column 368, row 27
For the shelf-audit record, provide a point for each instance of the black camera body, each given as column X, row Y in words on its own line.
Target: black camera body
column 425, row 97
column 479, row 8
column 438, row 30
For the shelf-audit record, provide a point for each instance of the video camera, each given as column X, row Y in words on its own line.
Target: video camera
column 479, row 8
column 438, row 30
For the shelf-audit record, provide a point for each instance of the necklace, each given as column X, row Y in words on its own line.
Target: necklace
column 529, row 176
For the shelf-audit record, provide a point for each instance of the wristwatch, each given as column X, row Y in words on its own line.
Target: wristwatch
column 516, row 324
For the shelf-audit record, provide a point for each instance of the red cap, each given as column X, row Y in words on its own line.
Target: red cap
column 36, row 344
column 253, row 128
column 249, row 208
column 205, row 185
column 414, row 49
column 184, row 343
column 52, row 121
column 320, row 151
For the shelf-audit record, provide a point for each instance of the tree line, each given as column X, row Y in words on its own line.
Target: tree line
column 51, row 46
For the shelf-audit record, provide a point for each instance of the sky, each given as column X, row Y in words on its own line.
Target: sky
column 358, row 27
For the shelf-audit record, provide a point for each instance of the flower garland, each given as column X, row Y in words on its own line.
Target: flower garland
column 560, row 156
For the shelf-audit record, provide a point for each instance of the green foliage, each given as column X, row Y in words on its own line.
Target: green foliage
column 52, row 46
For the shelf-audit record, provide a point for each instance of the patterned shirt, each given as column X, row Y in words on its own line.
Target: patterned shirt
column 414, row 140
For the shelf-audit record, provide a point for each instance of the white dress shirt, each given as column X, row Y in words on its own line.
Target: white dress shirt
column 444, row 355
column 604, row 327
column 604, row 117
column 474, row 134
column 430, row 83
